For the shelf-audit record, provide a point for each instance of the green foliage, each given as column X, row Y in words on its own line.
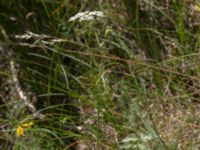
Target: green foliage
column 128, row 80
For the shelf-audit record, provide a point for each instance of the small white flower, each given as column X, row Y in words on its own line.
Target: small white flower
column 87, row 16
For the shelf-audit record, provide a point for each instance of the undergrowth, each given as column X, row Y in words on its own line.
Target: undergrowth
column 125, row 79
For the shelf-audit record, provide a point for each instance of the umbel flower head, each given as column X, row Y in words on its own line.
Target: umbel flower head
column 20, row 128
column 87, row 16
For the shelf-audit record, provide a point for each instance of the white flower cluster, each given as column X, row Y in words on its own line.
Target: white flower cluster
column 87, row 16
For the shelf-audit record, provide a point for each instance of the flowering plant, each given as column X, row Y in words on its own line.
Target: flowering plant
column 20, row 128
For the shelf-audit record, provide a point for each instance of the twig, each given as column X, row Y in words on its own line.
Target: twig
column 21, row 93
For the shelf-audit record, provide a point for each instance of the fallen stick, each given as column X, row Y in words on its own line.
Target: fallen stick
column 22, row 94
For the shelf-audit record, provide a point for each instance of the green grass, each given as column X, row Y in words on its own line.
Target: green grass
column 129, row 80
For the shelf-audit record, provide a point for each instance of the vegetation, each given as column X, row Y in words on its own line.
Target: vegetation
column 123, row 74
